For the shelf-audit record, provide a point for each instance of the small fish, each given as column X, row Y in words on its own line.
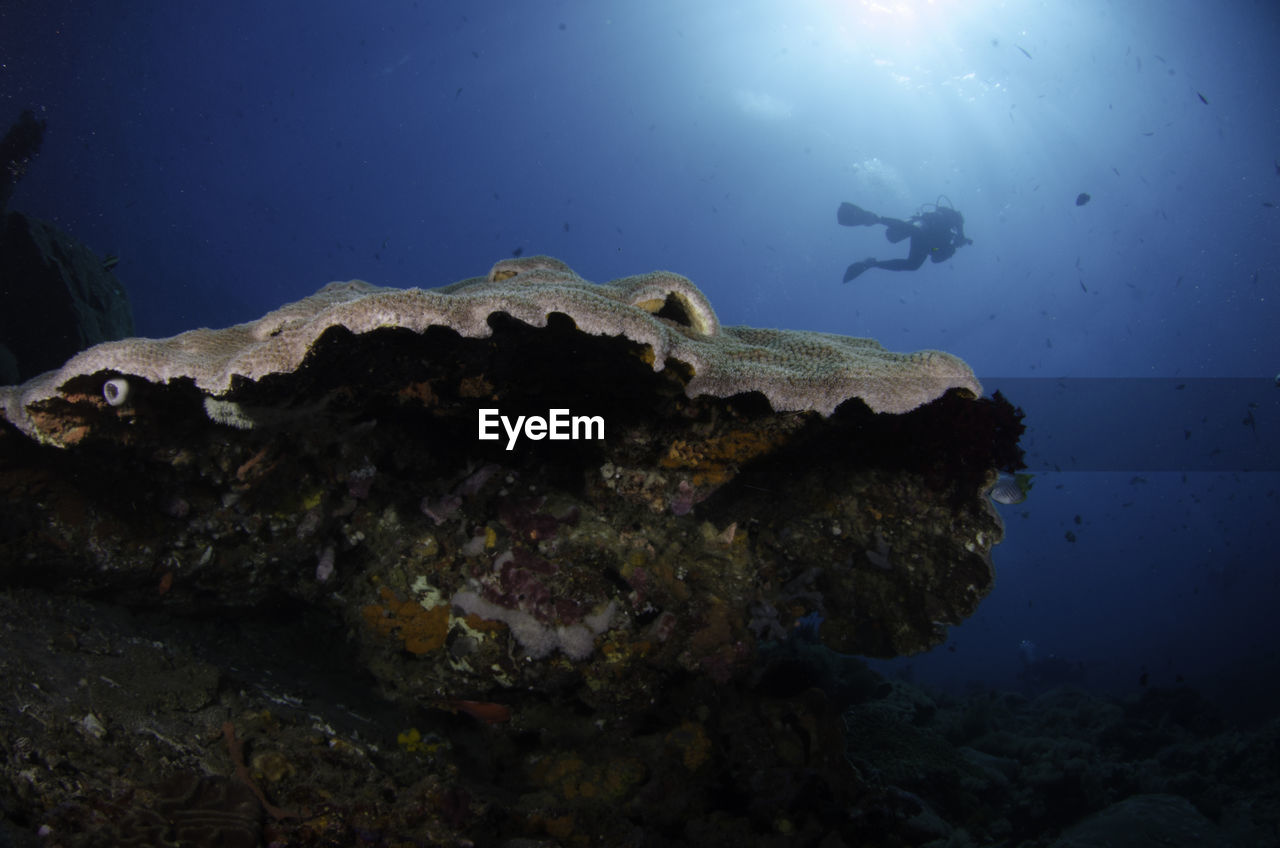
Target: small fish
column 1203, row 99
column 1024, row 53
column 1252, row 423
column 1082, row 287
column 1268, row 204
column 456, row 93
column 1082, row 199
column 518, row 252
column 110, row 261
column 1113, row 167
column 1010, row 489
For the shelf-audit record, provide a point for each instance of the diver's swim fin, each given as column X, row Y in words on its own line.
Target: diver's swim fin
column 855, row 270
column 855, row 216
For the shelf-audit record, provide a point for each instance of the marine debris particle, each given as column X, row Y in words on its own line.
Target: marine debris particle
column 742, row 469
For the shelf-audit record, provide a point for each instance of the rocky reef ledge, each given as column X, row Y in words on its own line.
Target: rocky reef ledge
column 600, row 606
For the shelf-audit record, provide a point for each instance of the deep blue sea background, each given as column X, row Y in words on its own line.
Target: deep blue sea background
column 238, row 155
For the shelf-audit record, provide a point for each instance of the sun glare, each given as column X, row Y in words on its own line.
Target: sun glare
column 899, row 21
column 913, row 42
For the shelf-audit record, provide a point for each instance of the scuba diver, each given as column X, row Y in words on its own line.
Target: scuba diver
column 934, row 235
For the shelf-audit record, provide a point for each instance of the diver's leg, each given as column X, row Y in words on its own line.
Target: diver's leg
column 855, row 270
column 898, row 265
column 919, row 253
column 896, row 230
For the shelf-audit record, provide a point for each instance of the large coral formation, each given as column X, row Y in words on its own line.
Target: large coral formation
column 693, row 506
column 749, row 487
column 661, row 311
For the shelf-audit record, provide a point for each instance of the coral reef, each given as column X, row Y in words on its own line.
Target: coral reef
column 749, row 488
column 663, row 313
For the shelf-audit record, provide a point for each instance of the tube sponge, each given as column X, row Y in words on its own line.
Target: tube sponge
column 116, row 391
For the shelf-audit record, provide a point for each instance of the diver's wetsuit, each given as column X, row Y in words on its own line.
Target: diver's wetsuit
column 934, row 235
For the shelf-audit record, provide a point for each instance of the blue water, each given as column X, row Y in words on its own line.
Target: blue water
column 239, row 155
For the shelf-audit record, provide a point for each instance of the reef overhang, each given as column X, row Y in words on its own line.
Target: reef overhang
column 747, row 485
column 662, row 311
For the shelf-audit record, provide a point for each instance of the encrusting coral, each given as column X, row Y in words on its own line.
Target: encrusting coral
column 795, row 370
